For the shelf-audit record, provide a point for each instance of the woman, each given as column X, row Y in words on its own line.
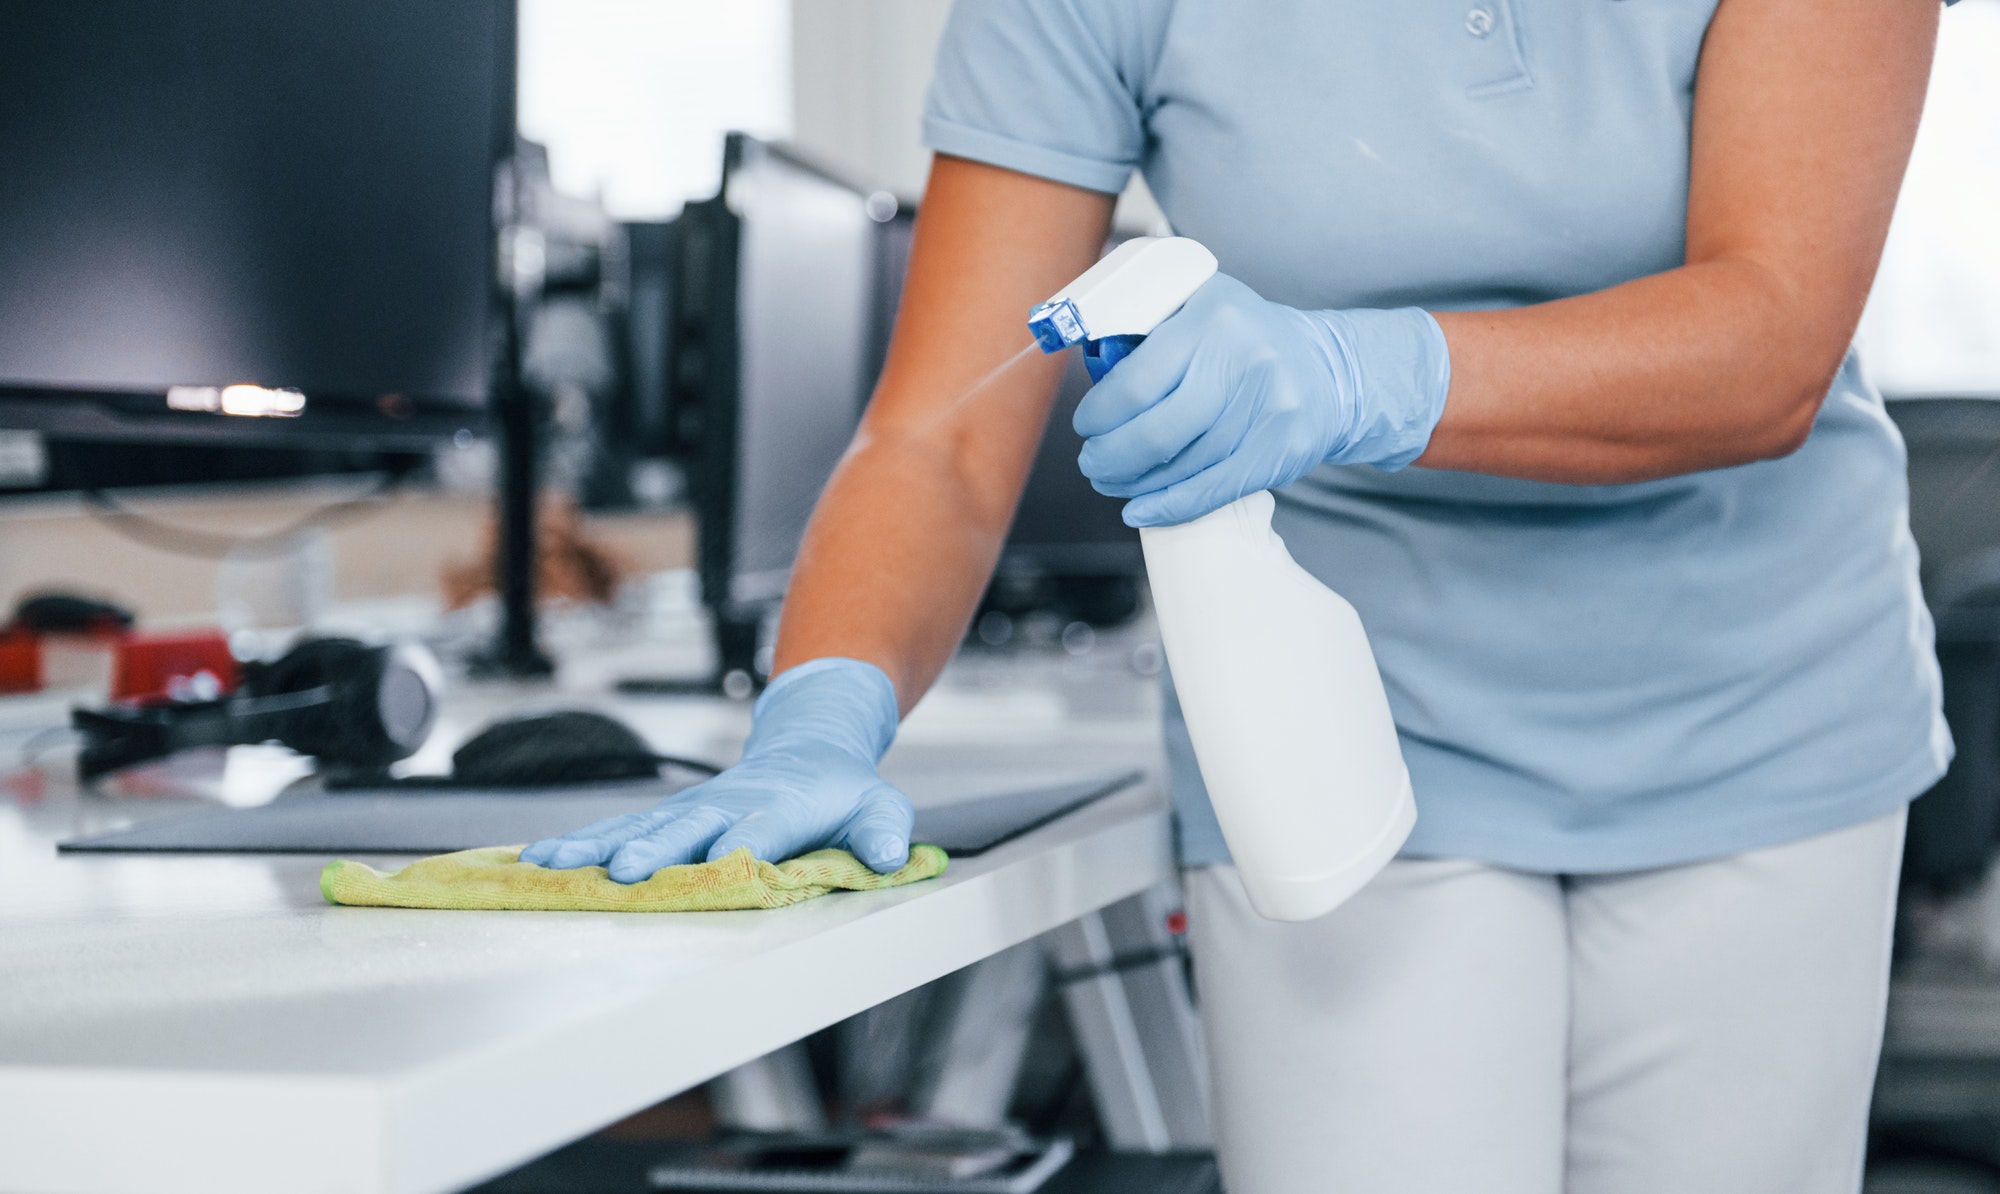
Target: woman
column 1645, row 606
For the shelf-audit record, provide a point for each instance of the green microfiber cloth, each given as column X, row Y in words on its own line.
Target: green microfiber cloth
column 495, row 878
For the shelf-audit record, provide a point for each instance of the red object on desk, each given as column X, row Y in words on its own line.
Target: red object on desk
column 155, row 667
column 20, row 662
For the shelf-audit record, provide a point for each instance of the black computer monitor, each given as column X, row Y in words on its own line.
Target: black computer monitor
column 286, row 194
column 643, row 402
column 773, row 314
column 777, row 298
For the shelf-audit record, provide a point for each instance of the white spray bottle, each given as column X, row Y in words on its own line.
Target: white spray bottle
column 1285, row 708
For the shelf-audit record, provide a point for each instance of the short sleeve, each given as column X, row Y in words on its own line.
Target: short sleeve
column 1040, row 87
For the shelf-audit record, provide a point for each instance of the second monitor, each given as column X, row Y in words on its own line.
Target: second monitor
column 779, row 295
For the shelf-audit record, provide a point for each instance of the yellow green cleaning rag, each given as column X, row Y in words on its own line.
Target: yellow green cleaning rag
column 495, row 878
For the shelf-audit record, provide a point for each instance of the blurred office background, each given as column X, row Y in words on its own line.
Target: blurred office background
column 1931, row 341
column 627, row 104
column 631, row 101
column 694, row 368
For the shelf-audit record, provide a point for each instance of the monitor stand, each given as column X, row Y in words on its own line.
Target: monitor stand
column 736, row 674
column 516, row 651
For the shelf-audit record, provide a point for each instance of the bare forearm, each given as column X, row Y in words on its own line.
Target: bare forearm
column 906, row 534
column 1702, row 367
column 898, row 553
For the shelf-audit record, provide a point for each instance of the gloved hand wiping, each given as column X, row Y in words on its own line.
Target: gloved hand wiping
column 1234, row 394
column 807, row 780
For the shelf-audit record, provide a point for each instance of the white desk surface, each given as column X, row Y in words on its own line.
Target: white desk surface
column 209, row 1024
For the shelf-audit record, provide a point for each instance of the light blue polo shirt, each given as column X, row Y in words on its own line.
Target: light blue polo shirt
column 1586, row 678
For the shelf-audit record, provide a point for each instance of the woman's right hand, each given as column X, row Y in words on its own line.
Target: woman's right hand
column 807, row 780
column 900, row 546
column 1234, row 394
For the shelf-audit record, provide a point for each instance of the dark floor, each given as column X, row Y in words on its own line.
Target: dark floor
column 600, row 1166
column 1928, row 1177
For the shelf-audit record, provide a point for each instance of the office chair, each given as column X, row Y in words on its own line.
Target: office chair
column 1954, row 446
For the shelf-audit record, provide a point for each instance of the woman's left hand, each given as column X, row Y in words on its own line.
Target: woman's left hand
column 1234, row 394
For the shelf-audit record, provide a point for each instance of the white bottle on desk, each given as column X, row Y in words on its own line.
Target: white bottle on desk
column 1284, row 705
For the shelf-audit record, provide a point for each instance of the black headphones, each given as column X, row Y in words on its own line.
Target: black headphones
column 351, row 705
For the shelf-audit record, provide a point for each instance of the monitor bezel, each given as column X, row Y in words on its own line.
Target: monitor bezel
column 402, row 422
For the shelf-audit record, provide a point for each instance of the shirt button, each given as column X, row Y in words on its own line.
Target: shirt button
column 1479, row 22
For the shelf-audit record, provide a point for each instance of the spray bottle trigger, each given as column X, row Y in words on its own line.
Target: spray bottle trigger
column 1100, row 355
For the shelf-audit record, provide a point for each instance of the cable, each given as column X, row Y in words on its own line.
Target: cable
column 1120, row 963
column 30, row 751
column 375, row 782
column 148, row 531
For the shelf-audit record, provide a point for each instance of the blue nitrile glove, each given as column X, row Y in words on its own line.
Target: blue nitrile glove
column 1234, row 394
column 806, row 780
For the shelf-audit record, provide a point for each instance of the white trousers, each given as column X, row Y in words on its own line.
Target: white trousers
column 1457, row 1028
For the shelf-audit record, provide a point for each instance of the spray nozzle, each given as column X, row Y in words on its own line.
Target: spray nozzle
column 1123, row 297
column 1056, row 325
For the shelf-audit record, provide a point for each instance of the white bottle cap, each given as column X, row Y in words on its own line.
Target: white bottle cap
column 1129, row 293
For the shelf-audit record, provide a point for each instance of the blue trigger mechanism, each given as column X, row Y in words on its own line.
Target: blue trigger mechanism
column 1056, row 325
column 1100, row 355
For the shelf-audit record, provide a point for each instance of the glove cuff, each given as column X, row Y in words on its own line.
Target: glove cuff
column 847, row 703
column 1399, row 368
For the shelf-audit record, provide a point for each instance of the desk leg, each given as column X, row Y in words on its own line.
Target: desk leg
column 972, row 1068
column 1124, row 985
column 774, row 1093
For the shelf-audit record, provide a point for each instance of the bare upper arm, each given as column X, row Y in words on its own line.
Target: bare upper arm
column 1804, row 116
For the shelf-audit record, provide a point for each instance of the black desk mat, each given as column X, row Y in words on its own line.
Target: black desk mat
column 420, row 821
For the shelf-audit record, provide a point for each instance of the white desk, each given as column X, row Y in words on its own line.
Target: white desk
column 209, row 1024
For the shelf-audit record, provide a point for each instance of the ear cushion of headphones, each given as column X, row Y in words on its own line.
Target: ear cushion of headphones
column 404, row 704
column 380, row 706
column 311, row 663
